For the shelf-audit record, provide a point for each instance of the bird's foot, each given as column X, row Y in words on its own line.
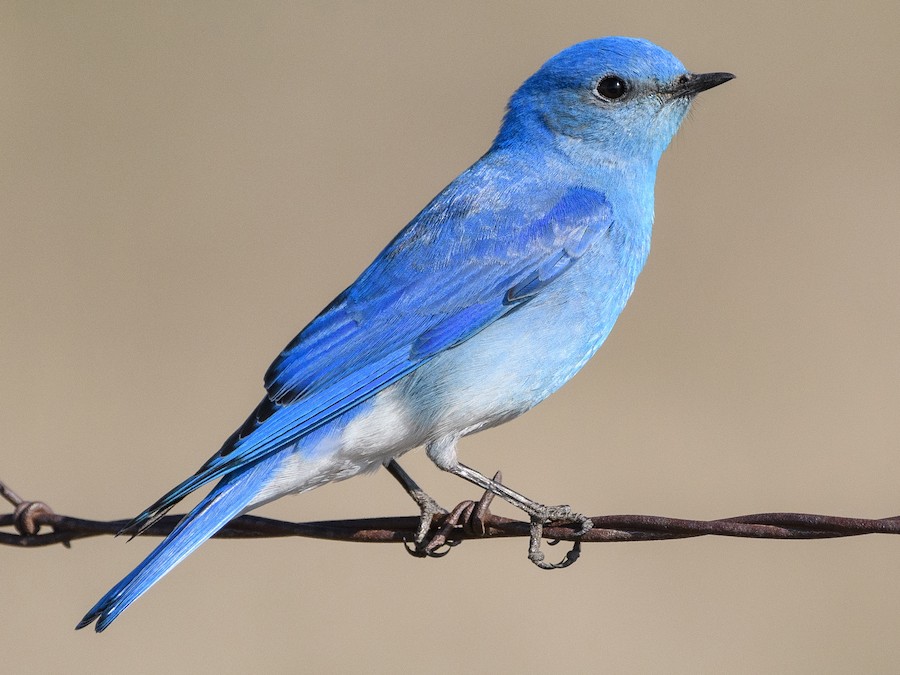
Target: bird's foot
column 428, row 509
column 469, row 515
column 562, row 515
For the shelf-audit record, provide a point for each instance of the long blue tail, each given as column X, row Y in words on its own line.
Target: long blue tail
column 228, row 499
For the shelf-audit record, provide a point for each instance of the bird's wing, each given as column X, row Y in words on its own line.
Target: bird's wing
column 444, row 278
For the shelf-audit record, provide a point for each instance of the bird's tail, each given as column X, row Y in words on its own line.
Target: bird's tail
column 228, row 499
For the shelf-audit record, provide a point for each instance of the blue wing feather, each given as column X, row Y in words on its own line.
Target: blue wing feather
column 414, row 301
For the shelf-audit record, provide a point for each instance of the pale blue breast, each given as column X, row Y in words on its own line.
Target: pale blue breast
column 521, row 359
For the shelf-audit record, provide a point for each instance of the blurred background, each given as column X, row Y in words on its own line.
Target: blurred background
column 185, row 185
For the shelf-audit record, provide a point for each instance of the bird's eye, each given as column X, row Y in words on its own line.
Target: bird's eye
column 612, row 87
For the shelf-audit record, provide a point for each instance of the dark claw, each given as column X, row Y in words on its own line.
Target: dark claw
column 417, row 551
column 414, row 550
column 571, row 556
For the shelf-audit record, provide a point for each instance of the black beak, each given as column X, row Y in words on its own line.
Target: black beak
column 692, row 84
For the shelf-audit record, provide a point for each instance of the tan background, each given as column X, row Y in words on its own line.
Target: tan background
column 183, row 187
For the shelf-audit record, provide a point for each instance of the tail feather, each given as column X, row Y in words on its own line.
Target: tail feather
column 227, row 500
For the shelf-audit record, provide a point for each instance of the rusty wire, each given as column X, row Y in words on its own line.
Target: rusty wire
column 29, row 517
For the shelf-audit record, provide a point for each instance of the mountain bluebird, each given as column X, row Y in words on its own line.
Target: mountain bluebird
column 495, row 294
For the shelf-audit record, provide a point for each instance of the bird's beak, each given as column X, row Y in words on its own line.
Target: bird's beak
column 692, row 84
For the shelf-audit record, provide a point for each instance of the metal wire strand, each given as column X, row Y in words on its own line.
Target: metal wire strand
column 29, row 518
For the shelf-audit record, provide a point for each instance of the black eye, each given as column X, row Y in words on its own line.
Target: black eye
column 612, row 87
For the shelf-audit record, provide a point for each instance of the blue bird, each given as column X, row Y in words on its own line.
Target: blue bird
column 487, row 302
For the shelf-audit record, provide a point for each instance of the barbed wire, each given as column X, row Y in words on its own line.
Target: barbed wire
column 469, row 520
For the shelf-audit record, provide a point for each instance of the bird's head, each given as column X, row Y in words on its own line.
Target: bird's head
column 613, row 99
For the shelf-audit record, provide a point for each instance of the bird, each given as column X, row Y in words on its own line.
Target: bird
column 487, row 302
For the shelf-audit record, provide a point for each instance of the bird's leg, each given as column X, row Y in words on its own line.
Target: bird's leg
column 540, row 515
column 428, row 507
